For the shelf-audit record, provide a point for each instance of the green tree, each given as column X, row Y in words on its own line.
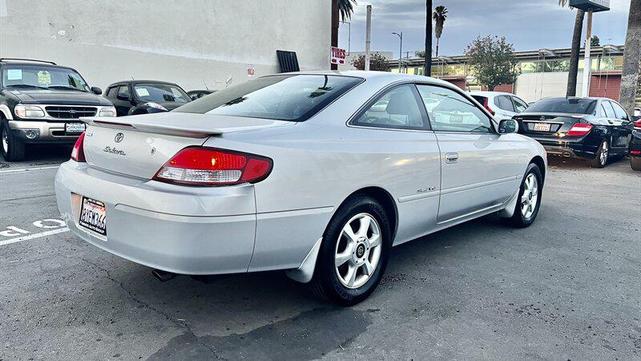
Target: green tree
column 630, row 79
column 439, row 16
column 377, row 62
column 595, row 41
column 346, row 9
column 492, row 61
column 576, row 48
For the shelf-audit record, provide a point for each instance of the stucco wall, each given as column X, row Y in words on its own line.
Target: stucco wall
column 191, row 42
column 535, row 86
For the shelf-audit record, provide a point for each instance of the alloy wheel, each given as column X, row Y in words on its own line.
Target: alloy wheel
column 603, row 156
column 5, row 141
column 530, row 197
column 358, row 250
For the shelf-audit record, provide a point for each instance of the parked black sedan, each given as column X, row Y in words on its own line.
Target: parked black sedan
column 145, row 96
column 635, row 146
column 597, row 129
column 197, row 94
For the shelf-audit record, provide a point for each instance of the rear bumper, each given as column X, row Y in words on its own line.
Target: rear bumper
column 185, row 231
column 568, row 148
column 47, row 132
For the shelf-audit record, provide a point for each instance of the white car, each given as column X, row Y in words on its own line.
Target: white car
column 319, row 174
column 501, row 105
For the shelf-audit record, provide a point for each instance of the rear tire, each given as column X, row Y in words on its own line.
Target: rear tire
column 12, row 148
column 354, row 252
column 529, row 200
column 635, row 163
column 602, row 156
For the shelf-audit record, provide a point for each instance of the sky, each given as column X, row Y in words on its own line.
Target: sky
column 529, row 25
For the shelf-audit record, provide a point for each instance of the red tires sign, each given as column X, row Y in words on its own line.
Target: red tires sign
column 338, row 56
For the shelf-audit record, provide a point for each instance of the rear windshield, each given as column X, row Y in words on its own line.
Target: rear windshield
column 564, row 105
column 282, row 97
column 161, row 93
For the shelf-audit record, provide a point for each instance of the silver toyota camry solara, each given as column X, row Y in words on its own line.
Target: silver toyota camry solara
column 318, row 174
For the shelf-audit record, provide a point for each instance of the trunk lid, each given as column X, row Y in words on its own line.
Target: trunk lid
column 547, row 125
column 138, row 146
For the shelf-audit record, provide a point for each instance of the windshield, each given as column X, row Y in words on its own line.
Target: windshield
column 42, row 77
column 280, row 97
column 161, row 93
column 564, row 105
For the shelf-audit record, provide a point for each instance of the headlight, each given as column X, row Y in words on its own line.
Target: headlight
column 156, row 106
column 107, row 112
column 29, row 111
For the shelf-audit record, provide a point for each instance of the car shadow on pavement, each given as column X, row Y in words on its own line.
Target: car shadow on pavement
column 41, row 154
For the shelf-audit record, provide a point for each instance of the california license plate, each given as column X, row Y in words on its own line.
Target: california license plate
column 542, row 127
column 74, row 128
column 93, row 216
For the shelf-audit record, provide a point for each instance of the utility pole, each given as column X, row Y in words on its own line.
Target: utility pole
column 427, row 67
column 400, row 53
column 587, row 64
column 368, row 36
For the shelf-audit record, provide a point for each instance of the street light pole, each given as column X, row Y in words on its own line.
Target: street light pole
column 400, row 52
column 587, row 63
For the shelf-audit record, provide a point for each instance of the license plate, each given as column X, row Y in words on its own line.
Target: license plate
column 74, row 128
column 542, row 127
column 93, row 216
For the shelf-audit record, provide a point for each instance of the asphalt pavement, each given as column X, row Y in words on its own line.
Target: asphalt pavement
column 567, row 288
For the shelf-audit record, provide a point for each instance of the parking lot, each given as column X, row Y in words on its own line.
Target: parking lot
column 565, row 288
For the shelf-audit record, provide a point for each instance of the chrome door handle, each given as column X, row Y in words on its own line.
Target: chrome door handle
column 451, row 157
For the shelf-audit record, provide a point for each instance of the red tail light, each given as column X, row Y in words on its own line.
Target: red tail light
column 637, row 124
column 635, row 152
column 78, row 151
column 486, row 104
column 213, row 167
column 579, row 130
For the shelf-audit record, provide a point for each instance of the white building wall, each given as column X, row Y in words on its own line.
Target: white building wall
column 191, row 42
column 534, row 86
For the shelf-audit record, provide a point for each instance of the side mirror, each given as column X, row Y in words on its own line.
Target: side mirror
column 508, row 126
column 122, row 97
column 96, row 90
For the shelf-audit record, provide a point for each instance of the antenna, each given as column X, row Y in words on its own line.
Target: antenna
column 228, row 81
column 205, row 84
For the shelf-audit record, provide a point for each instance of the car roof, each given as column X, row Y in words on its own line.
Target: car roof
column 490, row 93
column 36, row 64
column 124, row 82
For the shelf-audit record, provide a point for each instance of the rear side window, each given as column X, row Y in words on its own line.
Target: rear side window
column 282, row 97
column 504, row 103
column 619, row 112
column 519, row 105
column 479, row 99
column 609, row 111
column 398, row 108
column 564, row 105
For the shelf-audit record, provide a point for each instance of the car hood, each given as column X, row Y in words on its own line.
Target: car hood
column 62, row 97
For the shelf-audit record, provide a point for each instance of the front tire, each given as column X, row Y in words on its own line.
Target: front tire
column 602, row 155
column 12, row 148
column 529, row 201
column 354, row 252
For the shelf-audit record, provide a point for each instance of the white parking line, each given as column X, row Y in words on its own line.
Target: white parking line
column 27, row 169
column 35, row 235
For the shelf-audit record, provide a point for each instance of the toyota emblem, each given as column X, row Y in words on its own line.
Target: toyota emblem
column 119, row 137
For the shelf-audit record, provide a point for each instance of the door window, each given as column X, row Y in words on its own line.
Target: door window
column 123, row 92
column 519, row 105
column 609, row 111
column 398, row 108
column 452, row 112
column 504, row 103
column 619, row 112
column 111, row 93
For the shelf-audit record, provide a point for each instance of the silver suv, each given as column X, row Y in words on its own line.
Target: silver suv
column 501, row 105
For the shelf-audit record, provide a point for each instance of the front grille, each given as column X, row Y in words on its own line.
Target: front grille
column 70, row 112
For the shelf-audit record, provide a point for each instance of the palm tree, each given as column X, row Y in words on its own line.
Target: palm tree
column 576, row 48
column 439, row 16
column 342, row 9
column 427, row 67
column 630, row 78
column 346, row 9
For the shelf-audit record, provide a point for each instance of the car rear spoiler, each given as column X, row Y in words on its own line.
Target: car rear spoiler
column 168, row 129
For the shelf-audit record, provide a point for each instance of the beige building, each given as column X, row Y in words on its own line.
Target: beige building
column 195, row 43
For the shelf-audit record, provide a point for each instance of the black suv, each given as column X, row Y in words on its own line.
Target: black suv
column 41, row 102
column 134, row 97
